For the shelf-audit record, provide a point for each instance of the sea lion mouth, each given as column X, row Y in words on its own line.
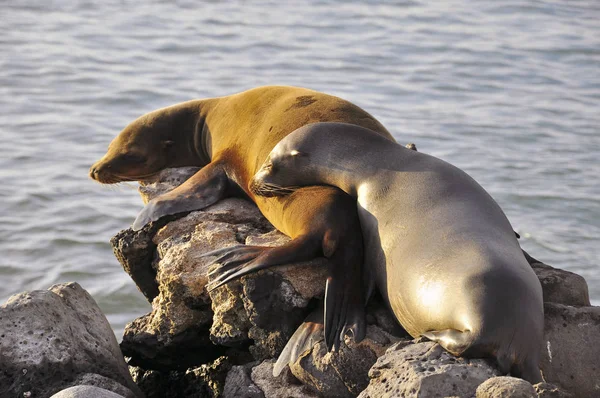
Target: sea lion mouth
column 268, row 190
column 111, row 178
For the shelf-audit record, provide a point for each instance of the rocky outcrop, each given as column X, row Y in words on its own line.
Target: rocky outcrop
column 187, row 327
column 425, row 369
column 547, row 390
column 58, row 338
column 225, row 342
column 562, row 287
column 572, row 351
column 505, row 387
column 202, row 381
column 343, row 373
column 284, row 386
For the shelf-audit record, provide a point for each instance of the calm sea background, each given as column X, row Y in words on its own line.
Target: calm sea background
column 507, row 90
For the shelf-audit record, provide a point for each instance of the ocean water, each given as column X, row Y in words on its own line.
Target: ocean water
column 507, row 90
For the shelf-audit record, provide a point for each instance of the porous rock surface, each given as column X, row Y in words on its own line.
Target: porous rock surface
column 57, row 338
column 248, row 321
column 343, row 373
column 425, row 369
column 261, row 310
column 85, row 392
column 505, row 387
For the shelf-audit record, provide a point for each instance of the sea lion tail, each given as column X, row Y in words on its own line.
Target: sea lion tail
column 303, row 339
column 454, row 341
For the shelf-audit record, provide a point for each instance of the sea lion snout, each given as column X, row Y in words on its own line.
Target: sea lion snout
column 258, row 187
column 101, row 172
column 261, row 185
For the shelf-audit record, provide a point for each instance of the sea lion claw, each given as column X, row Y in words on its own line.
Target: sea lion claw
column 219, row 252
column 241, row 260
column 236, row 270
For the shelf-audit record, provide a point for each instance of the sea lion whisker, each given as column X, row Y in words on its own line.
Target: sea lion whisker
column 275, row 189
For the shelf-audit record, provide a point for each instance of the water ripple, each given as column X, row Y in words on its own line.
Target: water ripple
column 508, row 91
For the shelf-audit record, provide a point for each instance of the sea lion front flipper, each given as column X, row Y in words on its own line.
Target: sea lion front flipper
column 308, row 334
column 202, row 189
column 344, row 292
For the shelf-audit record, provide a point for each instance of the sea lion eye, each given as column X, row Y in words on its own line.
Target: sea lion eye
column 131, row 158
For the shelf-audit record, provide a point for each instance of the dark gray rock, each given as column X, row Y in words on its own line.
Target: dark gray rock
column 562, row 287
column 203, row 381
column 572, row 350
column 239, row 384
column 150, row 343
column 547, row 390
column 51, row 338
column 505, row 387
column 136, row 250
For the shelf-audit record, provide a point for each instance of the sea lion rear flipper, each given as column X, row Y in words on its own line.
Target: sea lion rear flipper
column 344, row 292
column 242, row 260
column 454, row 341
column 203, row 189
column 344, row 307
column 344, row 297
column 308, row 334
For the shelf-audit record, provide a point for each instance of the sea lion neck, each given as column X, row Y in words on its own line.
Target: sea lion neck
column 200, row 142
column 346, row 162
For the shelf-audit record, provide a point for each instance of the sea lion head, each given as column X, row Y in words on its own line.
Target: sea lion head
column 315, row 154
column 145, row 147
column 287, row 168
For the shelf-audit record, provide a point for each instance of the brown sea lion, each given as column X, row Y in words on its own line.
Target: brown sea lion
column 443, row 253
column 230, row 137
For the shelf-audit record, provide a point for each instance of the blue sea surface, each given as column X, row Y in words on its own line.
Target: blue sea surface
column 507, row 90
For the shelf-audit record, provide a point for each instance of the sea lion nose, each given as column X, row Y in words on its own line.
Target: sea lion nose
column 93, row 172
column 97, row 169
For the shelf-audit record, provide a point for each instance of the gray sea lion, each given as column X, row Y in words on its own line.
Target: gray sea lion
column 441, row 250
column 230, row 137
